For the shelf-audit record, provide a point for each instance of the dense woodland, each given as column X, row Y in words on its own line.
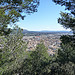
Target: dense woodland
column 15, row 60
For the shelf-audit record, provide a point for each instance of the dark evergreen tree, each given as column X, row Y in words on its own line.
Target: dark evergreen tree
column 37, row 63
column 11, row 11
column 67, row 19
column 69, row 4
column 12, row 52
column 66, row 54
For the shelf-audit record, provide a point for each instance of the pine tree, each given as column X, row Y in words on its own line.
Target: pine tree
column 12, row 52
column 11, row 11
column 37, row 63
column 67, row 19
column 69, row 5
column 66, row 54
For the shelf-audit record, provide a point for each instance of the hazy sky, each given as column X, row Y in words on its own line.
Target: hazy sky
column 44, row 19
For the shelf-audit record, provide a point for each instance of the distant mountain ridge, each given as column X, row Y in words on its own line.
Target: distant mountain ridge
column 24, row 30
column 37, row 33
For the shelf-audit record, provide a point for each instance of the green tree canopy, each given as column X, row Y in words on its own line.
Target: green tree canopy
column 37, row 63
column 69, row 4
column 66, row 54
column 27, row 6
column 12, row 52
column 67, row 19
column 11, row 11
